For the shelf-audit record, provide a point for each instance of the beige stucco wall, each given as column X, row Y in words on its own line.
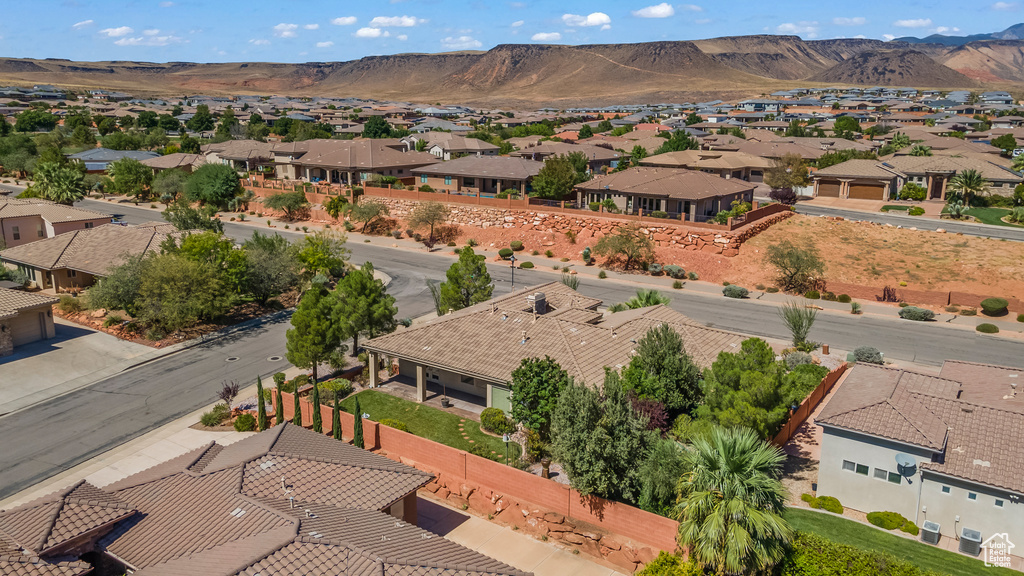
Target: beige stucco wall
column 981, row 514
column 28, row 230
column 450, row 380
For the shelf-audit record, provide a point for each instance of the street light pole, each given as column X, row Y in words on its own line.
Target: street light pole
column 505, row 438
column 512, row 259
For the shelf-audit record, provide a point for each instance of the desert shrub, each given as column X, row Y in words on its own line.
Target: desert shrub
column 670, row 565
column 215, row 416
column 349, row 226
column 396, row 234
column 471, row 243
column 783, row 195
column 549, row 253
column 830, row 504
column 655, row 269
column 245, row 422
column 735, row 292
column 868, row 355
column 396, row 424
column 968, row 312
column 987, row 328
column 678, row 285
column 594, row 206
column 339, row 387
column 855, row 308
column 659, row 214
column 535, row 253
column 505, row 253
column 794, row 359
column 812, row 295
column 112, row 320
column 726, row 283
column 602, row 274
column 771, row 289
column 380, row 227
column 844, row 298
column 828, row 296
column 526, row 265
column 693, row 276
column 916, row 211
column 676, row 272
column 1020, row 317
column 953, row 308
column 759, row 287
column 446, row 233
column 451, row 244
column 916, row 314
column 516, row 245
column 69, row 304
column 494, row 420
column 904, row 304
column 994, row 306
column 425, row 188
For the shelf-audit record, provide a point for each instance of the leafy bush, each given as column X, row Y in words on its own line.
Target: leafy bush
column 678, row 285
column 910, row 528
column 812, row 295
column 813, row 554
column 892, row 521
column 916, row 211
column 670, row 565
column 549, row 253
column 994, row 306
column 735, row 291
column 69, row 304
column 968, row 312
column 655, row 269
column 245, row 422
column 218, row 414
column 112, row 320
column 396, row 424
column 794, row 359
column 693, row 276
column 868, row 355
column 602, row 274
column 659, row 214
column 771, row 289
column 1020, row 317
column 829, row 504
column 494, row 420
column 916, row 314
column 987, row 328
column 505, row 253
column 594, row 206
column 337, row 387
column 676, row 272
column 844, row 298
column 783, row 195
column 426, row 188
column 526, row 265
column 828, row 296
column 912, row 191
column 516, row 245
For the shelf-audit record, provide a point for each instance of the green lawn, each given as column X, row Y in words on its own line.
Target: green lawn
column 991, row 216
column 888, row 207
column 430, row 423
column 856, row 534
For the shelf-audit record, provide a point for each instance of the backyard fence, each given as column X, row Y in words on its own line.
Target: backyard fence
column 800, row 415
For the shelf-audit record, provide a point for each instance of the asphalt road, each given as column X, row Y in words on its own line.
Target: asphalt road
column 48, row 438
column 966, row 228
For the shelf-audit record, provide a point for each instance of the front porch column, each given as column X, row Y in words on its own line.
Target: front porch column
column 373, row 363
column 944, row 182
column 421, row 384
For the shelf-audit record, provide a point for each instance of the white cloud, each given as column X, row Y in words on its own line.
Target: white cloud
column 344, row 21
column 913, row 23
column 888, row 37
column 311, row 26
column 1004, row 6
column 371, row 33
column 82, row 24
column 855, row 21
column 517, row 23
column 151, row 32
column 148, row 41
column 283, row 30
column 460, row 43
column 546, row 37
column 592, row 19
column 801, row 28
column 327, row 44
column 116, row 32
column 259, row 42
column 396, row 21
column 663, row 10
column 402, row 37
column 691, row 8
column 944, row 29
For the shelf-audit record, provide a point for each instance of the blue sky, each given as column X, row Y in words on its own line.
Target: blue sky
column 311, row 30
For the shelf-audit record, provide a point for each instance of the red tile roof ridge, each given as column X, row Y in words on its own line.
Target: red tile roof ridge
column 399, row 468
column 160, row 471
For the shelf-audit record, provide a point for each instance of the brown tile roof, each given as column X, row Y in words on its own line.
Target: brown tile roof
column 707, row 159
column 21, row 565
column 549, row 148
column 49, row 211
column 353, row 154
column 857, row 169
column 503, row 167
column 950, row 164
column 583, row 348
column 241, row 150
column 975, row 421
column 93, row 250
column 678, row 183
column 14, row 301
column 176, row 160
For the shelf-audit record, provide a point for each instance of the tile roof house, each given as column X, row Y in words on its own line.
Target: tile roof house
column 31, row 219
column 282, row 502
column 942, row 448
column 24, row 317
column 720, row 163
column 483, row 174
column 676, row 191
column 446, row 145
column 597, row 156
column 475, row 350
column 76, row 259
column 185, row 162
column 99, row 159
column 859, row 179
column 242, row 155
column 347, row 161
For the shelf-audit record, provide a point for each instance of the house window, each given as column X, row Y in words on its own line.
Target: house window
column 894, row 478
column 972, row 496
column 862, row 469
column 72, row 274
column 423, row 178
column 469, row 181
column 447, row 180
column 847, row 465
column 88, row 225
column 16, row 232
column 945, row 490
column 999, row 503
column 39, row 230
column 881, row 474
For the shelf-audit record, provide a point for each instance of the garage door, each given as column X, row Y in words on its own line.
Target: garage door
column 867, row 191
column 26, row 327
column 826, row 188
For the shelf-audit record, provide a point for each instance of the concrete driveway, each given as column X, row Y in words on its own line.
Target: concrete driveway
column 75, row 357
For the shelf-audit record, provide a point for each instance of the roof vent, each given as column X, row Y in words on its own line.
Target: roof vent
column 237, row 513
column 523, row 341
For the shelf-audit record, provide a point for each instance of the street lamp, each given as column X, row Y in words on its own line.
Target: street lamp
column 505, row 438
column 512, row 265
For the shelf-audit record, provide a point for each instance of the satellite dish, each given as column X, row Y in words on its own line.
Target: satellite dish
column 905, row 464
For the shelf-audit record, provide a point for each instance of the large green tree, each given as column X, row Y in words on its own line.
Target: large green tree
column 431, row 215
column 202, row 120
column 967, row 185
column 273, row 266
column 677, row 142
column 376, row 127
column 731, row 503
column 628, row 243
column 556, row 178
column 130, row 178
column 168, row 185
column 364, row 306
column 536, row 386
column 468, row 282
column 214, row 184
column 291, row 203
column 323, row 252
column 186, row 217
column 177, row 292
column 317, row 331
column 661, row 370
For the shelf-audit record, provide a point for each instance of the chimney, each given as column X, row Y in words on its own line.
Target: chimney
column 538, row 301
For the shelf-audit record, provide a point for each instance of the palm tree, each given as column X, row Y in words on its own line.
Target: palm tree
column 61, row 184
column 967, row 184
column 1018, row 163
column 645, row 298
column 731, row 503
column 921, row 150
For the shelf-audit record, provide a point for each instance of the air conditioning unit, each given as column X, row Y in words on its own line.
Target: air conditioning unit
column 930, row 532
column 970, row 541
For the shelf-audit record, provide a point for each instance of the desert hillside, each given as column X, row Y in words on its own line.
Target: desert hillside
column 511, row 74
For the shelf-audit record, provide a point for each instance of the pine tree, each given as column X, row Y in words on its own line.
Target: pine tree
column 468, row 282
column 365, row 306
column 261, row 406
column 317, row 331
column 279, row 409
column 318, row 424
column 336, row 419
column 357, row 435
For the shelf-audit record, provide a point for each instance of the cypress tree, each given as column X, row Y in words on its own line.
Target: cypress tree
column 297, row 417
column 357, row 439
column 318, row 424
column 261, row 406
column 279, row 409
column 336, row 419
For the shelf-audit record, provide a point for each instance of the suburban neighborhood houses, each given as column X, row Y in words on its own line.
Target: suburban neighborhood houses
column 740, row 305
